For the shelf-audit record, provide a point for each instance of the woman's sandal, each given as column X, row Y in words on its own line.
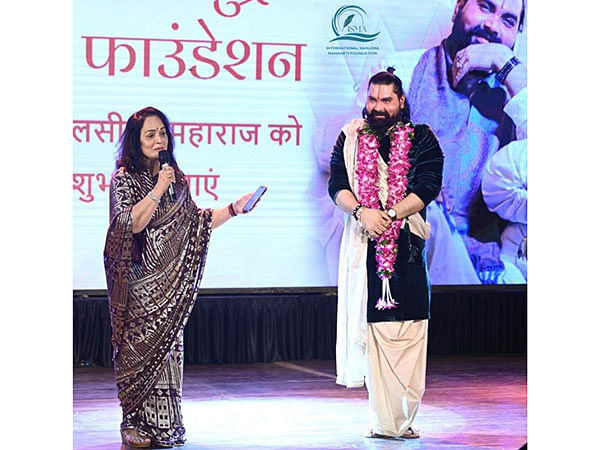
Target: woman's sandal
column 132, row 438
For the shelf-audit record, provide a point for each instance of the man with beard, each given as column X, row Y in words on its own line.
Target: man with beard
column 472, row 91
column 384, row 171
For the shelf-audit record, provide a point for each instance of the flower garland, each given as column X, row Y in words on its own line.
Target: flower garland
column 386, row 248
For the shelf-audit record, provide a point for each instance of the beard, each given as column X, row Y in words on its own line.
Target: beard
column 381, row 124
column 460, row 37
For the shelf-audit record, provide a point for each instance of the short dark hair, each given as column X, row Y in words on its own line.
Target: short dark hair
column 130, row 153
column 521, row 18
column 387, row 78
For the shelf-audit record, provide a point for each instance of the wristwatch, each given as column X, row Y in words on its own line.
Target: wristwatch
column 392, row 213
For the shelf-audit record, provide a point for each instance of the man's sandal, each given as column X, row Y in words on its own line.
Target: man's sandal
column 410, row 433
column 132, row 438
column 373, row 435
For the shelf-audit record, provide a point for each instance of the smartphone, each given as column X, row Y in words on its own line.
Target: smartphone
column 255, row 198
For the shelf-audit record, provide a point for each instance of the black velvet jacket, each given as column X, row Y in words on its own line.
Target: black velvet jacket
column 410, row 282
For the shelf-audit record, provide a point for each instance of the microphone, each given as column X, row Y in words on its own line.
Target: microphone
column 163, row 157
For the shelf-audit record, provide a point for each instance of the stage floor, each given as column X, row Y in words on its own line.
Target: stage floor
column 470, row 402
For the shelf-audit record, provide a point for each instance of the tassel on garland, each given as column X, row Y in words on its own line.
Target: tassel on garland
column 386, row 301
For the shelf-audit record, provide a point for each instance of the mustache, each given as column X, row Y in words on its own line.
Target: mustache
column 372, row 114
column 490, row 36
column 380, row 124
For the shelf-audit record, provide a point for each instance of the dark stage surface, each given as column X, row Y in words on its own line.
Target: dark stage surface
column 470, row 402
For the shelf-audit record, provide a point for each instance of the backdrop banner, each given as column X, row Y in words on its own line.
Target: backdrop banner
column 257, row 92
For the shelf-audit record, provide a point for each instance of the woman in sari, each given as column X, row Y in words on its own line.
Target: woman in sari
column 154, row 257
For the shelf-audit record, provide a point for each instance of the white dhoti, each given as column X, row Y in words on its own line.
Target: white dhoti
column 396, row 353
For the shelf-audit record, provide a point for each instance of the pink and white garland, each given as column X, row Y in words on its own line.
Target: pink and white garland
column 386, row 248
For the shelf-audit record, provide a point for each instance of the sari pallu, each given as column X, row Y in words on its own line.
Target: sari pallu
column 152, row 280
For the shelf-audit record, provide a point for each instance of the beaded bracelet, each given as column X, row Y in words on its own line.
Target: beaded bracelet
column 355, row 211
column 359, row 213
column 506, row 68
column 153, row 197
column 231, row 210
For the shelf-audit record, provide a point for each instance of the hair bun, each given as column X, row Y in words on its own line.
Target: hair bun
column 390, row 70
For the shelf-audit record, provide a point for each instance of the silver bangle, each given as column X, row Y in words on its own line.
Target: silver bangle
column 153, row 198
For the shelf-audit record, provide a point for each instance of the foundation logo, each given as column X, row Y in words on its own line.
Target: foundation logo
column 349, row 24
